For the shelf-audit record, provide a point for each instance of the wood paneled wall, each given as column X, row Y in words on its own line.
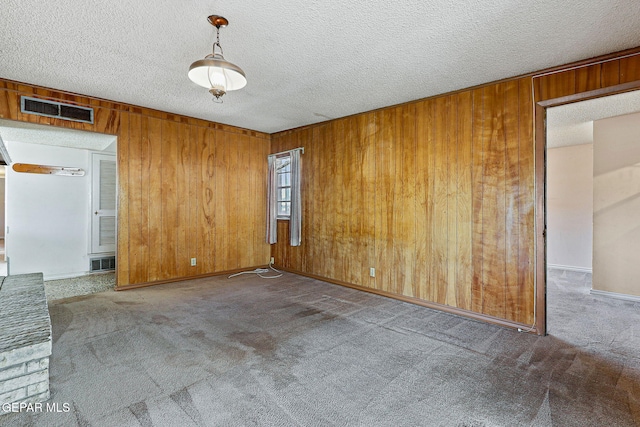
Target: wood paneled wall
column 437, row 195
column 186, row 188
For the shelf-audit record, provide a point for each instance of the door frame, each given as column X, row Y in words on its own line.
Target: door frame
column 95, row 185
column 540, row 147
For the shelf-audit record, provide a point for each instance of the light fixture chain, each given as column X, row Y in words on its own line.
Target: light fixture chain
column 217, row 43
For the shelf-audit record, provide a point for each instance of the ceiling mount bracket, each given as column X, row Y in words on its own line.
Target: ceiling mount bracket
column 218, row 21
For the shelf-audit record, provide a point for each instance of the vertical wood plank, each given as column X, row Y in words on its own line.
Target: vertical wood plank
column 5, row 112
column 297, row 251
column 319, row 138
column 274, row 250
column 222, row 207
column 260, row 169
column 610, row 73
column 630, row 69
column 122, row 264
column 245, row 202
column 310, row 182
column 424, row 130
column 385, row 171
column 183, row 168
column 9, row 104
column 477, row 295
column 404, row 200
column 494, row 261
column 556, row 85
column 205, row 188
column 251, row 194
column 452, row 205
column 337, row 202
column 332, row 231
column 349, row 201
column 137, row 266
column 588, row 78
column 513, row 299
column 169, row 201
column 145, row 161
column 369, row 192
column 419, row 273
column 526, row 227
column 440, row 230
column 464, row 185
column 105, row 121
column 155, row 198
column 195, row 239
column 232, row 223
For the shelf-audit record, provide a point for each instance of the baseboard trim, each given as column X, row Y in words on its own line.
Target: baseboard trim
column 521, row 327
column 615, row 295
column 570, row 268
column 182, row 279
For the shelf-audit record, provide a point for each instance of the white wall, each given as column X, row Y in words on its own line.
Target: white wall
column 616, row 220
column 2, row 181
column 48, row 215
column 570, row 207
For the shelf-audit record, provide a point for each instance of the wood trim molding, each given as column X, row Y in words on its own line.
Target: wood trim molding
column 586, row 62
column 520, row 327
column 592, row 94
column 540, row 139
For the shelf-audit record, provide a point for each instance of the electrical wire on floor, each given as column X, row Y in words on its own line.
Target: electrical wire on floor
column 531, row 329
column 260, row 272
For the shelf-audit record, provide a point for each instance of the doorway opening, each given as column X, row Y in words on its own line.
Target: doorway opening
column 564, row 160
column 51, row 199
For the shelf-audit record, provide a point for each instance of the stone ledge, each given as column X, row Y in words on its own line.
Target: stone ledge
column 25, row 340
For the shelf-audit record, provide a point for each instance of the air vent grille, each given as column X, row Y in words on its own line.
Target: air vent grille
column 57, row 110
column 39, row 107
column 103, row 264
column 75, row 113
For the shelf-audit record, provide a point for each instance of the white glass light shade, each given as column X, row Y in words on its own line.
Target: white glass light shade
column 214, row 72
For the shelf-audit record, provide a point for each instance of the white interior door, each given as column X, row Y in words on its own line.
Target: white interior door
column 103, row 201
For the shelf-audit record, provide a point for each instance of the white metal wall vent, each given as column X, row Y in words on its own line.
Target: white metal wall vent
column 103, row 264
column 54, row 109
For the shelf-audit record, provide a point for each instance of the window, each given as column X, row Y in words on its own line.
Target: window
column 283, row 180
column 283, row 195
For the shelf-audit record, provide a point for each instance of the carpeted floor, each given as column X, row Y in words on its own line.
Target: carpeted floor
column 296, row 351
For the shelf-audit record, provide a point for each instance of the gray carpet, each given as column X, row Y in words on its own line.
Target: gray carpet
column 296, row 351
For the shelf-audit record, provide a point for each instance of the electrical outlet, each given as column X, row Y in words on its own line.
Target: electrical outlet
column 193, row 262
column 273, row 260
column 372, row 272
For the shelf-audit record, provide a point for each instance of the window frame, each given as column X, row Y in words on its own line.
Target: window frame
column 280, row 164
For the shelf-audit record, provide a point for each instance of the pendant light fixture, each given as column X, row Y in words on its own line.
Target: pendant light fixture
column 214, row 72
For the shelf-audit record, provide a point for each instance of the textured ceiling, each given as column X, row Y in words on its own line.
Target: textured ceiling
column 572, row 124
column 305, row 61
